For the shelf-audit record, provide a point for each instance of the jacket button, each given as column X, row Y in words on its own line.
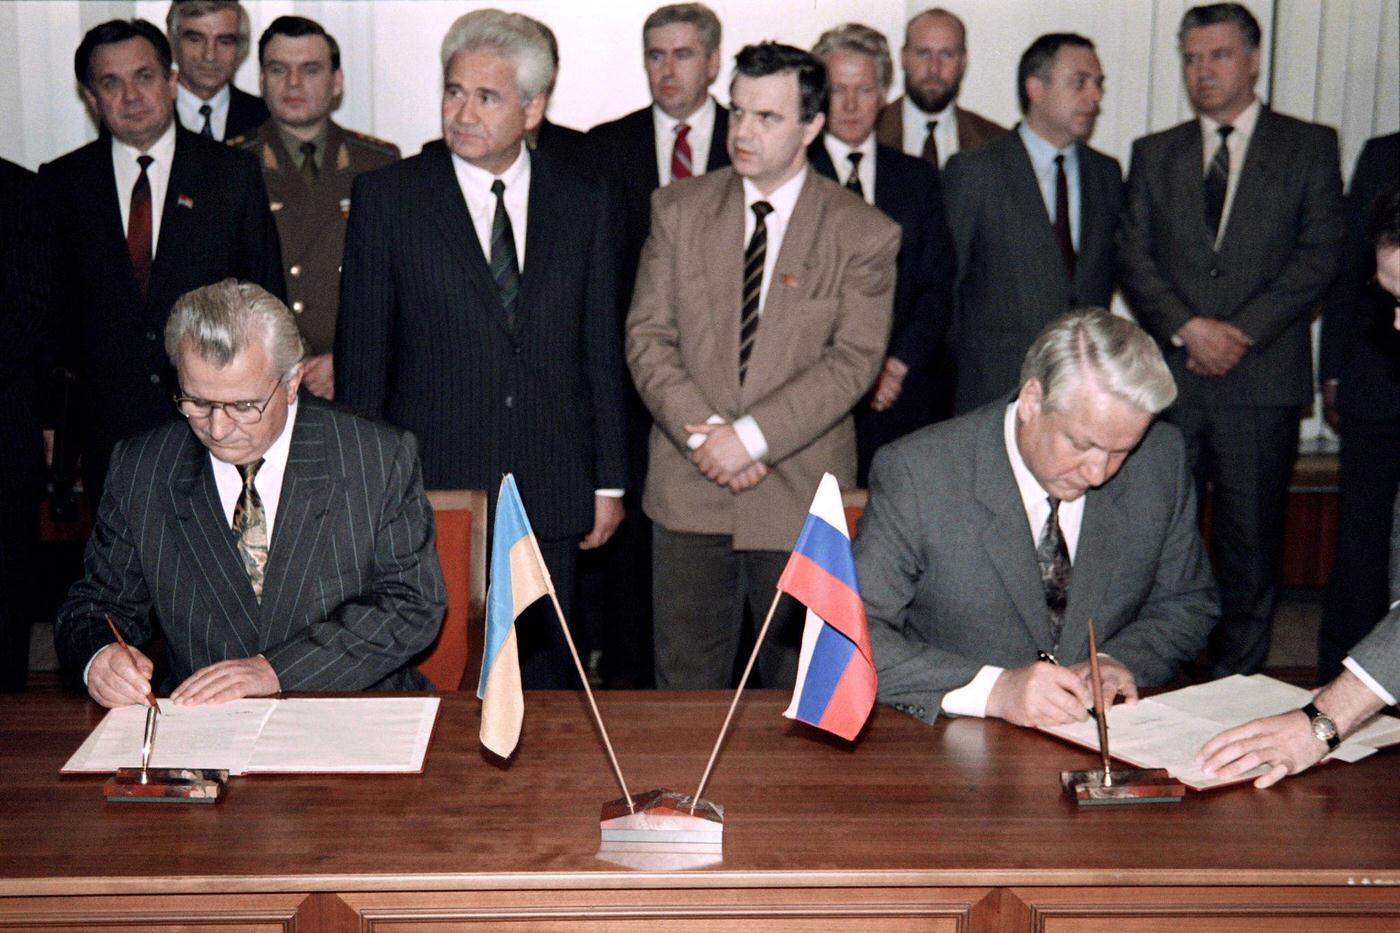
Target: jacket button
column 1214, row 273
column 510, row 401
column 294, row 271
column 298, row 306
column 151, row 335
column 155, row 378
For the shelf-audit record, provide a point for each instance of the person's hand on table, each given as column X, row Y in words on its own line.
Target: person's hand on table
column 1040, row 694
column 119, row 678
column 1284, row 744
column 228, row 680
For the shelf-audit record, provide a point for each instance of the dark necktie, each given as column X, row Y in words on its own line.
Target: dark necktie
column 1062, row 234
column 754, row 258
column 206, row 112
column 1218, row 181
column 930, row 152
column 250, row 525
column 853, row 179
column 504, row 268
column 1053, row 555
column 681, row 165
column 309, row 171
column 138, row 227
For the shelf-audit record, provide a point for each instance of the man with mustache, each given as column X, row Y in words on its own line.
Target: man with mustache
column 1232, row 233
column 925, row 122
column 210, row 40
column 1033, row 216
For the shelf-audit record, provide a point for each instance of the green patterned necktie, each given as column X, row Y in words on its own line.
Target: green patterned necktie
column 504, row 267
column 250, row 525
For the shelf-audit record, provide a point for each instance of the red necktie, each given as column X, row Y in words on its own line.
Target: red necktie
column 680, row 154
column 138, row 228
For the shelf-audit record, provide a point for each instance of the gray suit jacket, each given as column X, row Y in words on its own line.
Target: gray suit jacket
column 353, row 589
column 948, row 571
column 1379, row 652
column 1011, row 278
column 1280, row 251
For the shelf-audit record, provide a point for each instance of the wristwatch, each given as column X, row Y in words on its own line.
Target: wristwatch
column 1322, row 726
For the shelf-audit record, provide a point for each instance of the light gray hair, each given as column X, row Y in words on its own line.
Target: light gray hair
column 222, row 320
column 1114, row 352
column 861, row 39
column 513, row 36
column 180, row 9
column 693, row 14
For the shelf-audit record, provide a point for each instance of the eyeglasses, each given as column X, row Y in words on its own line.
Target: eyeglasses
column 244, row 411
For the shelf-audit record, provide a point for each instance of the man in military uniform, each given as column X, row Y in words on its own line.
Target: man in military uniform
column 309, row 164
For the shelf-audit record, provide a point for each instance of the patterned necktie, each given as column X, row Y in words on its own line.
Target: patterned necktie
column 681, row 164
column 853, row 179
column 504, row 268
column 930, row 152
column 754, row 258
column 1053, row 555
column 309, row 171
column 206, row 112
column 138, row 227
column 1062, row 233
column 1218, row 180
column 250, row 525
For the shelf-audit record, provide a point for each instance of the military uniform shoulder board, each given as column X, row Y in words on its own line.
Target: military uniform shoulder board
column 373, row 142
column 246, row 141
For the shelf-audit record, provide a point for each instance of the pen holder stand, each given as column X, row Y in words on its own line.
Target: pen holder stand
column 165, row 785
column 1129, row 785
column 662, row 822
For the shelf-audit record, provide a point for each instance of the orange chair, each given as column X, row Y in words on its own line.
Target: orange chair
column 853, row 501
column 460, row 517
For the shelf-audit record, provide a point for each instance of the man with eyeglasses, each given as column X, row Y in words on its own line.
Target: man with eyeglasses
column 274, row 544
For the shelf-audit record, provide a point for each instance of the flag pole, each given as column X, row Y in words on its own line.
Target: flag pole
column 748, row 668
column 583, row 676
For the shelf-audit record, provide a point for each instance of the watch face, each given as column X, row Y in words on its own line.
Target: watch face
column 1324, row 728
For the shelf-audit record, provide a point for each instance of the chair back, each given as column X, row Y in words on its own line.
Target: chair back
column 460, row 518
column 853, row 501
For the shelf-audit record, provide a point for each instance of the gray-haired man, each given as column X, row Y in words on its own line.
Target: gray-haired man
column 991, row 540
column 277, row 544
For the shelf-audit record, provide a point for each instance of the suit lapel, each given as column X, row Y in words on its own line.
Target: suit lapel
column 541, row 237
column 1024, row 191
column 789, row 271
column 889, row 126
column 1094, row 225
column 208, row 545
column 307, row 490
column 176, row 215
column 459, row 240
column 1252, row 190
column 109, row 216
column 1006, row 538
column 724, row 267
column 1186, row 180
column 1106, row 525
column 646, row 154
column 719, row 141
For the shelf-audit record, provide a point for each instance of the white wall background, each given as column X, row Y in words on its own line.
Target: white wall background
column 1332, row 61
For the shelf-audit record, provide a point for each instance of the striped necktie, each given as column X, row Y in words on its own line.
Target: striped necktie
column 681, row 164
column 504, row 268
column 755, row 257
column 1218, row 181
column 853, row 179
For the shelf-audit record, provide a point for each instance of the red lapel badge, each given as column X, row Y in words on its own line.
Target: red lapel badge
column 789, row 280
column 185, row 200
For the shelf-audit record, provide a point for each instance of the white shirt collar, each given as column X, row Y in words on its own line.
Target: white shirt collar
column 479, row 180
column 1035, row 501
column 838, row 150
column 162, row 151
column 270, row 475
column 1244, row 124
column 913, row 114
column 188, row 103
column 1042, row 152
column 701, row 121
column 783, row 199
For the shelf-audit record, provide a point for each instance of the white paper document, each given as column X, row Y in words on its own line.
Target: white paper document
column 1167, row 730
column 301, row 735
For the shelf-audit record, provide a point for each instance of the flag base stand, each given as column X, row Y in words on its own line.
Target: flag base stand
column 165, row 785
column 1126, row 785
column 662, row 823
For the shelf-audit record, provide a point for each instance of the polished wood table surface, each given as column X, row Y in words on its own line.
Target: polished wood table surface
column 958, row 826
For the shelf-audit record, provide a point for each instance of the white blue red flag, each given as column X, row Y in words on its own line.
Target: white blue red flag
column 518, row 578
column 835, row 672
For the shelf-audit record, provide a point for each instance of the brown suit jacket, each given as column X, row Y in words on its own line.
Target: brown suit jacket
column 973, row 130
column 311, row 220
column 820, row 344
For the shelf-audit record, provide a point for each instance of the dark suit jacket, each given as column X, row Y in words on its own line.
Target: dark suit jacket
column 245, row 114
column 214, row 224
column 950, row 580
column 22, row 349
column 566, row 143
column 1277, row 257
column 423, row 342
column 353, row 589
column 1011, row 278
column 973, row 129
column 908, row 191
column 1379, row 652
column 1360, row 346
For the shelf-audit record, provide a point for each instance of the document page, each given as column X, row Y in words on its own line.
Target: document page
column 216, row 736
column 1167, row 730
column 359, row 735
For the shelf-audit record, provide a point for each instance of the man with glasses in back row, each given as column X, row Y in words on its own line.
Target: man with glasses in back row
column 278, row 544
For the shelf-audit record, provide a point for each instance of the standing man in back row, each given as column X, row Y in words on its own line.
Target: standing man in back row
column 309, row 163
column 1232, row 233
column 210, row 39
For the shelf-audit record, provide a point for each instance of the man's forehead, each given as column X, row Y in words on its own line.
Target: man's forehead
column 215, row 22
column 776, row 92
column 298, row 49
column 935, row 31
column 485, row 67
column 129, row 54
column 672, row 36
column 1214, row 36
column 1077, row 60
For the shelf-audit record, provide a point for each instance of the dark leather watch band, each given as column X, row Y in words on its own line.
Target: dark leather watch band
column 1314, row 715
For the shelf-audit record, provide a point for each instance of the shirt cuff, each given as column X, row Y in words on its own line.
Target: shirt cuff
column 1176, row 340
column 697, row 440
column 752, row 437
column 609, row 493
column 88, row 667
column 1368, row 680
column 971, row 699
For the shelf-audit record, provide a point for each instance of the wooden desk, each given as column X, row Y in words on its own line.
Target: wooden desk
column 960, row 826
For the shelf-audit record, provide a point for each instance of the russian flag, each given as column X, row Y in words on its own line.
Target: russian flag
column 518, row 578
column 835, row 672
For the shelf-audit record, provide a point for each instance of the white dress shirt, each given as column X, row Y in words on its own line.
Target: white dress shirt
column 945, row 134
column 971, row 699
column 840, row 153
column 1043, row 164
column 1238, row 145
column 126, row 170
column 268, row 482
column 702, row 131
column 481, row 201
column 187, row 102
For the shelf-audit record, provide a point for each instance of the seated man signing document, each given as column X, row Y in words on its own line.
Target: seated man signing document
column 282, row 544
column 990, row 541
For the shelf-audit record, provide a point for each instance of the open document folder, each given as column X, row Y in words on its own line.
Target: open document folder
column 1167, row 730
column 381, row 735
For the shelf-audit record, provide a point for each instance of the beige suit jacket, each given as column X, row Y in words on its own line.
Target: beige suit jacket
column 973, row 129
column 820, row 344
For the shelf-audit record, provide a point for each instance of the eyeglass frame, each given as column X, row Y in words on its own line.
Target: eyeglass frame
column 223, row 406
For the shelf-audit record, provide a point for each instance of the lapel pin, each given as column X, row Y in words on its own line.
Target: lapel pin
column 274, row 205
column 185, row 200
column 789, row 280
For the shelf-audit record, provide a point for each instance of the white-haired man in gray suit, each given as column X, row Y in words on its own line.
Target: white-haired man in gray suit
column 991, row 540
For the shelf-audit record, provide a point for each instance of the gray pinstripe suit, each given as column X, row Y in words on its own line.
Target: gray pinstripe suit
column 353, row 588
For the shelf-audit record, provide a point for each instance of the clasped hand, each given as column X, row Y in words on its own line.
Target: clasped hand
column 723, row 458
